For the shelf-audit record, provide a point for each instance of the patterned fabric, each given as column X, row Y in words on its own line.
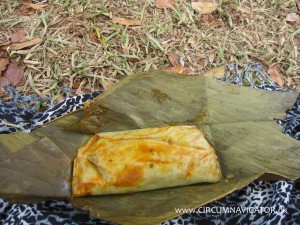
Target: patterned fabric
column 253, row 75
column 21, row 114
column 291, row 125
column 282, row 197
column 46, row 212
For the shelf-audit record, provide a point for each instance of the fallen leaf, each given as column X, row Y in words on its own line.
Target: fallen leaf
column 235, row 18
column 163, row 4
column 211, row 21
column 35, row 6
column 216, row 23
column 3, row 53
column 76, row 84
column 28, row 8
column 244, row 10
column 217, row 72
column 204, row 7
column 174, row 59
column 292, row 17
column 3, row 80
column 25, row 10
column 60, row 98
column 276, row 75
column 86, row 90
column 126, row 51
column 3, row 63
column 93, row 37
column 17, row 46
column 133, row 60
column 18, row 36
column 108, row 84
column 208, row 18
column 14, row 74
column 127, row 22
column 177, row 69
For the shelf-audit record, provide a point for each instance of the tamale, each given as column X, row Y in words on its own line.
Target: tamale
column 145, row 159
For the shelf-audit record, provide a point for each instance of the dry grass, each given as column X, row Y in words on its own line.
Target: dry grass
column 68, row 57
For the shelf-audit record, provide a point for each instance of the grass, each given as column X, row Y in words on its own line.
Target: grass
column 68, row 56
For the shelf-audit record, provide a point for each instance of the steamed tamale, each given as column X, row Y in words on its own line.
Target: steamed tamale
column 145, row 159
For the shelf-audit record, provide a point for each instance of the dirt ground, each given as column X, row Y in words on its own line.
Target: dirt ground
column 90, row 45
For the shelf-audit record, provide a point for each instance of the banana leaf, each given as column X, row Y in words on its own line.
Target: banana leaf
column 237, row 121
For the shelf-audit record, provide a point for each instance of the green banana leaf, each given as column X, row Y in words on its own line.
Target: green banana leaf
column 237, row 121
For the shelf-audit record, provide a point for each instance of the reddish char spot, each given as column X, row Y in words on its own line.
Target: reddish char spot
column 129, row 176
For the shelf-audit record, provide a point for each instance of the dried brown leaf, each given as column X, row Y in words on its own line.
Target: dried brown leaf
column 292, row 17
column 204, row 7
column 208, row 18
column 215, row 72
column 276, row 75
column 3, row 63
column 108, row 84
column 133, row 60
column 19, row 36
column 60, row 98
column 25, row 44
column 163, row 4
column 3, row 80
column 126, row 51
column 127, row 22
column 25, row 10
column 35, row 6
column 211, row 21
column 3, row 53
column 14, row 74
column 217, row 23
column 86, row 90
column 174, row 59
column 177, row 69
column 76, row 84
column 93, row 37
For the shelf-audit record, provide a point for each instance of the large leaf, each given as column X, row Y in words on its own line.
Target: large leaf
column 237, row 121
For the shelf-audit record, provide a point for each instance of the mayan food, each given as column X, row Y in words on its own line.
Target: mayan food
column 145, row 159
